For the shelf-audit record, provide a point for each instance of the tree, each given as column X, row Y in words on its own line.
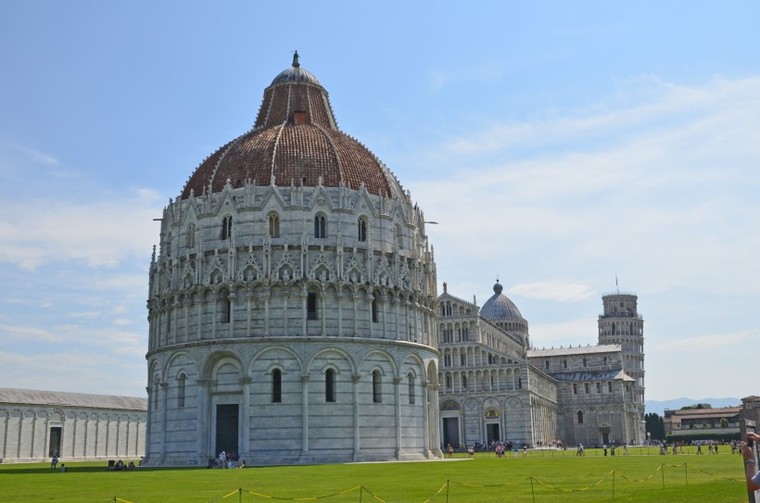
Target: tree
column 654, row 426
column 697, row 406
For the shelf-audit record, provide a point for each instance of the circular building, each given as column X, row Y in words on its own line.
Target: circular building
column 292, row 302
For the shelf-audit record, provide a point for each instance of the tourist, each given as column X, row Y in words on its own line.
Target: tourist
column 752, row 474
column 54, row 461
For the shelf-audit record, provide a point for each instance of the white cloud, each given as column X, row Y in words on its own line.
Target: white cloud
column 554, row 290
column 100, row 233
column 711, row 341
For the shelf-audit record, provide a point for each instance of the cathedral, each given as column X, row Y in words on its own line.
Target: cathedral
column 494, row 386
column 294, row 317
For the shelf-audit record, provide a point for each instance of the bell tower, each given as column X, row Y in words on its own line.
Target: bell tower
column 621, row 323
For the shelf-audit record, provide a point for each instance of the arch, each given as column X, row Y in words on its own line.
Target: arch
column 320, row 226
column 276, row 385
column 362, row 227
column 330, row 385
column 411, row 379
column 331, row 360
column 226, row 230
column 190, row 235
column 273, row 222
column 377, row 386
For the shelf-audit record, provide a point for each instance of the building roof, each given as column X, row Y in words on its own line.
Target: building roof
column 717, row 412
column 65, row 399
column 574, row 350
column 592, row 375
column 499, row 307
column 295, row 141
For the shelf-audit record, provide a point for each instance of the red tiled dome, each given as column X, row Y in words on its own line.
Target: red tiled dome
column 295, row 140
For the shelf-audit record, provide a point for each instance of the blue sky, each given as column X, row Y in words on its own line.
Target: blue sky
column 558, row 144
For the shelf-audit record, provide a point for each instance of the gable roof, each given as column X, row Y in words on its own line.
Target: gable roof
column 66, row 399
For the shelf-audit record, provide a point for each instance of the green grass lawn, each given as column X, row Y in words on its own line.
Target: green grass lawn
column 541, row 476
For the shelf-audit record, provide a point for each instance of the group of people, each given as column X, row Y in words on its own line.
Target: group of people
column 54, row 464
column 119, row 466
column 228, row 460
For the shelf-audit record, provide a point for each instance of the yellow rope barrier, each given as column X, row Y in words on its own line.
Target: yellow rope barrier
column 437, row 493
column 575, row 490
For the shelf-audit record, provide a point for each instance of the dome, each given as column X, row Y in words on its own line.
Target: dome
column 295, row 141
column 499, row 307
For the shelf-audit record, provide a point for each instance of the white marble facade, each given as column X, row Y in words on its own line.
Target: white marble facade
column 495, row 387
column 292, row 301
column 35, row 425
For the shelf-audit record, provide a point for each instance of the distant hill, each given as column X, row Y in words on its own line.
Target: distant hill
column 659, row 406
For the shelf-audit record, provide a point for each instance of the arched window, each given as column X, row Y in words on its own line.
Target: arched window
column 191, row 236
column 276, row 386
column 377, row 387
column 399, row 237
column 462, row 359
column 546, row 364
column 274, row 225
column 585, row 362
column 362, row 228
column 375, row 315
column 464, row 382
column 580, row 417
column 226, row 227
column 412, row 397
column 449, row 383
column 156, row 389
column 329, row 385
column 225, row 307
column 320, row 226
column 312, row 306
column 181, row 380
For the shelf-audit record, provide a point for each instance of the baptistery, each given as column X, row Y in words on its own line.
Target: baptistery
column 291, row 301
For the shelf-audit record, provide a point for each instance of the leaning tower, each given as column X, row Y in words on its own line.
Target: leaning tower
column 621, row 323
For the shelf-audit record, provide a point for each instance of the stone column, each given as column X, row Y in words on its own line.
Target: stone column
column 397, row 394
column 199, row 316
column 231, row 299
column 305, row 415
column 340, row 311
column 357, row 438
column 202, row 421
column 266, row 312
column 246, row 413
column 322, row 313
column 249, row 306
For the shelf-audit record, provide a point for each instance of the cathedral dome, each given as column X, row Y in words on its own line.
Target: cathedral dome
column 499, row 307
column 295, row 141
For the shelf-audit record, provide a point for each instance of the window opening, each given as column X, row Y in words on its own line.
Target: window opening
column 276, row 386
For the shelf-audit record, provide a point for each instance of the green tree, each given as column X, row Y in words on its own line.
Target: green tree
column 654, row 426
column 697, row 406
